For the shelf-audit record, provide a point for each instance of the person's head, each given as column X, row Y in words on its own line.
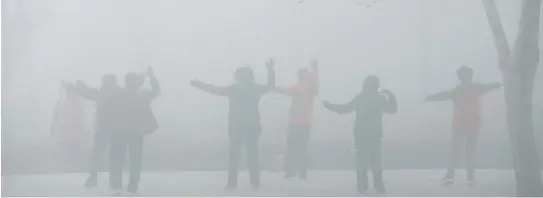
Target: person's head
column 371, row 84
column 109, row 80
column 133, row 80
column 244, row 75
column 70, row 90
column 465, row 74
column 303, row 75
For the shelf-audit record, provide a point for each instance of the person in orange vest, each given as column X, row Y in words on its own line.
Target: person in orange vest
column 300, row 118
column 466, row 98
column 370, row 105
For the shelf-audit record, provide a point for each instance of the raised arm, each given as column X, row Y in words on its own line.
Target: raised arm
column 221, row 91
column 270, row 85
column 390, row 105
column 485, row 88
column 155, row 86
column 442, row 96
column 341, row 108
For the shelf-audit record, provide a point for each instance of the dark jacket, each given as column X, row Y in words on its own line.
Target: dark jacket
column 369, row 110
column 244, row 115
column 105, row 107
column 135, row 115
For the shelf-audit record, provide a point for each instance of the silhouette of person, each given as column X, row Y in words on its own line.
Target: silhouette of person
column 300, row 117
column 134, row 121
column 369, row 106
column 466, row 119
column 69, row 118
column 244, row 119
column 105, row 113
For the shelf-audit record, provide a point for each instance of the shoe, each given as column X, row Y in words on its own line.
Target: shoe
column 90, row 182
column 380, row 187
column 116, row 193
column 132, row 194
column 290, row 176
column 230, row 187
column 447, row 181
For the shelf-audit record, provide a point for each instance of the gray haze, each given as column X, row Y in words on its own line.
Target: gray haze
column 414, row 46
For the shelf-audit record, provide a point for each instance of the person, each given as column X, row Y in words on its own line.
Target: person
column 244, row 119
column 300, row 117
column 68, row 125
column 369, row 105
column 105, row 112
column 135, row 119
column 466, row 119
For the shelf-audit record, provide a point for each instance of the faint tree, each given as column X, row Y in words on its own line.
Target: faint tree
column 519, row 67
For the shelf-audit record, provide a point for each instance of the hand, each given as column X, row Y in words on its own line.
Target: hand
column 314, row 64
column 387, row 92
column 150, row 71
column 270, row 64
column 325, row 102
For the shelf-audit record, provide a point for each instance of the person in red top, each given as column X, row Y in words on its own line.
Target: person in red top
column 69, row 124
column 466, row 119
column 300, row 117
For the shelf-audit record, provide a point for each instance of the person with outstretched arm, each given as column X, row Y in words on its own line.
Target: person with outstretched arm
column 135, row 120
column 105, row 115
column 244, row 119
column 300, row 118
column 370, row 105
column 466, row 119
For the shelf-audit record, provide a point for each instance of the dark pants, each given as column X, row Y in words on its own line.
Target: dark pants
column 296, row 156
column 368, row 149
column 250, row 141
column 119, row 146
column 99, row 146
column 460, row 139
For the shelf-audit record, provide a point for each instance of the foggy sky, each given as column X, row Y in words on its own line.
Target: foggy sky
column 414, row 49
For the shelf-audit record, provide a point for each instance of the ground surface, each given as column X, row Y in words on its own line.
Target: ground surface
column 411, row 183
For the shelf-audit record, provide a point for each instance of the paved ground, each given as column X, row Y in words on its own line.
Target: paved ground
column 411, row 183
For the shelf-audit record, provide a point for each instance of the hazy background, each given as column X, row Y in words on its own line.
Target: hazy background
column 414, row 46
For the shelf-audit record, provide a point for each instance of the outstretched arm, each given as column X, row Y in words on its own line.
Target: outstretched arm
column 442, row 96
column 82, row 90
column 390, row 104
column 341, row 108
column 485, row 88
column 212, row 89
column 270, row 85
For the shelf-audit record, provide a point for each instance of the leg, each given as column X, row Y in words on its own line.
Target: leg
column 290, row 166
column 98, row 148
column 361, row 165
column 117, row 154
column 471, row 152
column 453, row 157
column 375, row 159
column 135, row 146
column 235, row 150
column 251, row 149
column 304, row 143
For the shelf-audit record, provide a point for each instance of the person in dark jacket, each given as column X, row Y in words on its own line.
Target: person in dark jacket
column 135, row 120
column 369, row 106
column 104, row 116
column 244, row 119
